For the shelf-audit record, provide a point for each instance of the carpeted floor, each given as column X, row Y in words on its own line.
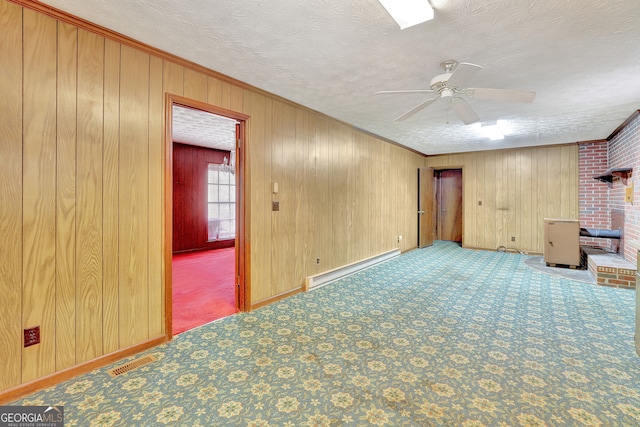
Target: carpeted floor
column 203, row 288
column 440, row 336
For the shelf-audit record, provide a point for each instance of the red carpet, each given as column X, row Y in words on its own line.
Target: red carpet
column 203, row 288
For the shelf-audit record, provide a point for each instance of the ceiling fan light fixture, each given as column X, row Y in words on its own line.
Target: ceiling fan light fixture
column 492, row 130
column 408, row 13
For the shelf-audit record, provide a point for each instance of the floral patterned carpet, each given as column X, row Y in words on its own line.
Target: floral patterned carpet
column 440, row 336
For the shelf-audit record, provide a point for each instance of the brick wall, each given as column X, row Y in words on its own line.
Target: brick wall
column 594, row 194
column 624, row 151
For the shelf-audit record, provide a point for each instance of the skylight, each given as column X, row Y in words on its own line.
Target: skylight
column 408, row 13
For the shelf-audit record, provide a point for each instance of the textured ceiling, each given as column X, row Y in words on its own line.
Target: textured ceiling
column 581, row 57
column 196, row 127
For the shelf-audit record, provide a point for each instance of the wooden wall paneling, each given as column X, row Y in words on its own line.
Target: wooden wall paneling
column 256, row 186
column 214, row 91
column 393, row 216
column 225, row 95
column 568, row 181
column 134, row 190
column 540, row 200
column 179, row 169
column 489, row 200
column 388, row 201
column 347, row 138
column 555, row 181
column 543, row 195
column 156, row 201
column 398, row 190
column 11, row 189
column 300, row 220
column 400, row 166
column 65, row 356
column 354, row 210
column 195, row 85
column 323, row 235
column 89, row 196
column 39, row 190
column 110, row 198
column 172, row 78
column 376, row 194
column 502, row 202
column 197, row 219
column 338, row 197
column 511, row 171
column 362, row 188
column 289, row 229
column 469, row 186
column 514, row 191
column 525, row 173
column 190, row 196
column 371, row 190
column 236, row 97
column 277, row 227
column 310, row 191
column 270, row 177
column 517, row 212
column 535, row 224
column 480, row 210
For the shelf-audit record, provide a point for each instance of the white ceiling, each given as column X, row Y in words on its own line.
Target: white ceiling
column 582, row 57
column 197, row 127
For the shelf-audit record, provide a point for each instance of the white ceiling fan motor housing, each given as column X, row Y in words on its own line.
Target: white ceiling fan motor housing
column 439, row 82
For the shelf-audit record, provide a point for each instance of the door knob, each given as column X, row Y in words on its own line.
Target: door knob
column 420, row 212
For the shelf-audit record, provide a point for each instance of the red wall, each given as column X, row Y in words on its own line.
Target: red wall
column 624, row 151
column 598, row 199
column 594, row 194
column 190, row 197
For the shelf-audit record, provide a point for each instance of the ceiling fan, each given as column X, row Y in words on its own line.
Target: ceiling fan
column 450, row 87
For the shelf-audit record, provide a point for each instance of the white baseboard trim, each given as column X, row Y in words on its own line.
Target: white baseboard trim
column 318, row 280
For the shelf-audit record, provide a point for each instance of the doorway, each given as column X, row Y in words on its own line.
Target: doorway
column 448, row 189
column 204, row 222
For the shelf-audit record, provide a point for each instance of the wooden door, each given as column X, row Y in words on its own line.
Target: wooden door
column 449, row 196
column 240, row 217
column 426, row 207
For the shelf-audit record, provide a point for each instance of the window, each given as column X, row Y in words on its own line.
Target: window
column 221, row 206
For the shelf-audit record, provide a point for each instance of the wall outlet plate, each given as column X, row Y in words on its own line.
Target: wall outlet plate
column 32, row 336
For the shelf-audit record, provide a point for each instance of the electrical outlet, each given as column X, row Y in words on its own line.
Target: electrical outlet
column 317, row 260
column 513, row 238
column 399, row 239
column 32, row 336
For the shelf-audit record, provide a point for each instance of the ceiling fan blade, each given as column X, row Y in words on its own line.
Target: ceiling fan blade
column 464, row 111
column 501, row 94
column 391, row 92
column 463, row 72
column 417, row 108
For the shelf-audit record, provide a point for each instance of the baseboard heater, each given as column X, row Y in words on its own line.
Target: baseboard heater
column 314, row 282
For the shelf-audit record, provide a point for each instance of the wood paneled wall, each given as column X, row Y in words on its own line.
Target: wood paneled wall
column 190, row 166
column 518, row 189
column 81, row 188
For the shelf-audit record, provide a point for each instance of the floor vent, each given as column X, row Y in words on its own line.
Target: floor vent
column 134, row 364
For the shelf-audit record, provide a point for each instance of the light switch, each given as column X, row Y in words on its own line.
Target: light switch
column 275, row 188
